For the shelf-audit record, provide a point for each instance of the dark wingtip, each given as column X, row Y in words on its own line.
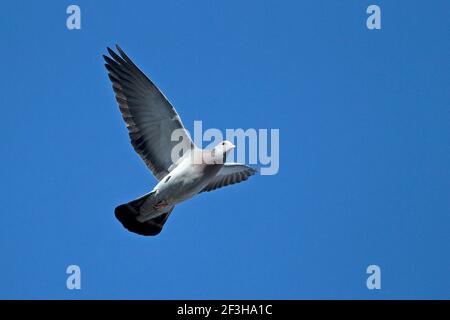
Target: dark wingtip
column 122, row 54
column 110, row 51
column 109, row 61
column 254, row 170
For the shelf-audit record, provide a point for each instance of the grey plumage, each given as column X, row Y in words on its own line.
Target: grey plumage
column 230, row 173
column 149, row 116
column 151, row 119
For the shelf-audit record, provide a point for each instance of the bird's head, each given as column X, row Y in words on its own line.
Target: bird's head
column 220, row 151
column 224, row 147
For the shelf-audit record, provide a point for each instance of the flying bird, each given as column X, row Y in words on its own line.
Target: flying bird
column 151, row 121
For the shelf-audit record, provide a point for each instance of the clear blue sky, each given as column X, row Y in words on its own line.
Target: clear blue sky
column 364, row 156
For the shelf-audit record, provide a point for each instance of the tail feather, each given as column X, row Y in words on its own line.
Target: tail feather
column 148, row 228
column 127, row 214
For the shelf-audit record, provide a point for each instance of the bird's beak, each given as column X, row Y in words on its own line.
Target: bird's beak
column 232, row 147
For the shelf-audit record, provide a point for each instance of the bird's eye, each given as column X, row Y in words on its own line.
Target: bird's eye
column 223, row 143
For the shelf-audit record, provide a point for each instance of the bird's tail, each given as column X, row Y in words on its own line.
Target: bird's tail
column 128, row 214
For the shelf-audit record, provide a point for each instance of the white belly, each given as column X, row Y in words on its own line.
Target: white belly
column 182, row 183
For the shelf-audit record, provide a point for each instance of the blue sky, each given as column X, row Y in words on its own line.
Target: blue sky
column 364, row 150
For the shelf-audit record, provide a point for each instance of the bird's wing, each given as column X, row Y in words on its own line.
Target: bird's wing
column 230, row 173
column 149, row 116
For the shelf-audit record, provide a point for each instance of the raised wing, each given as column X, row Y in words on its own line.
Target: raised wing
column 149, row 116
column 230, row 173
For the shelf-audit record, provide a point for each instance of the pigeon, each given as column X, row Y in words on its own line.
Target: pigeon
column 151, row 121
